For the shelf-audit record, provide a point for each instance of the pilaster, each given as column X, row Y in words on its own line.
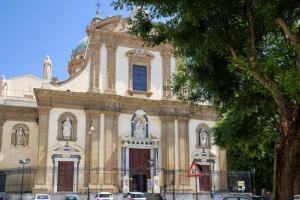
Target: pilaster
column 168, row 150
column 183, row 153
column 43, row 131
column 166, row 69
column 1, row 132
column 111, row 67
column 111, row 151
column 92, row 148
column 95, row 45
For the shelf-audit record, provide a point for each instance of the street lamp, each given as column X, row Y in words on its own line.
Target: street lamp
column 23, row 162
column 90, row 137
column 253, row 179
column 212, row 189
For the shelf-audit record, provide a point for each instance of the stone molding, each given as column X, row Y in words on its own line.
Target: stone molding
column 18, row 113
column 121, row 104
column 62, row 117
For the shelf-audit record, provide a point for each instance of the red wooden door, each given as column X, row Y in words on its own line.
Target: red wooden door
column 65, row 176
column 139, row 169
column 205, row 179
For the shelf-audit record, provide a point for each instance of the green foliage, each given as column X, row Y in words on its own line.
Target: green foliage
column 235, row 56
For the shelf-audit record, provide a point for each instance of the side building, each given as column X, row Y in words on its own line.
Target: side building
column 111, row 126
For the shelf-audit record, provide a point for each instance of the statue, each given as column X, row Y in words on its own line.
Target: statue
column 20, row 137
column 47, row 70
column 67, row 129
column 203, row 137
column 139, row 129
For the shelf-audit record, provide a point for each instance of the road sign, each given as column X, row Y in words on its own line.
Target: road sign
column 194, row 170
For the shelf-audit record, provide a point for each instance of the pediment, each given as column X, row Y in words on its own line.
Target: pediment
column 66, row 148
column 112, row 24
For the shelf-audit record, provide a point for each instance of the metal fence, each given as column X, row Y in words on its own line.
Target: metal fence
column 15, row 180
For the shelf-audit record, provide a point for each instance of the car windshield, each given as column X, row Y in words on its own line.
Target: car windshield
column 43, row 196
column 71, row 198
column 137, row 195
column 104, row 195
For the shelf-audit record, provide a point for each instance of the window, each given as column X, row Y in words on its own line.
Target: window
column 139, row 68
column 139, row 78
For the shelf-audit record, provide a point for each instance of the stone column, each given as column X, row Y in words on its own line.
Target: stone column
column 166, row 69
column 43, row 132
column 111, row 150
column 92, row 149
column 111, row 67
column 1, row 132
column 168, row 150
column 183, row 153
column 95, row 47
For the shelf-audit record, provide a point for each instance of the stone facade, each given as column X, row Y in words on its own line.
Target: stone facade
column 108, row 121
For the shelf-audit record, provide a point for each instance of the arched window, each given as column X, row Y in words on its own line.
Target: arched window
column 139, row 125
column 203, row 136
column 67, row 127
column 20, row 135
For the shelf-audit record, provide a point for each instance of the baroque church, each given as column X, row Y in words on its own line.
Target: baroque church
column 111, row 126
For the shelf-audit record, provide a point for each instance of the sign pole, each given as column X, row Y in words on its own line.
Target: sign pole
column 196, row 187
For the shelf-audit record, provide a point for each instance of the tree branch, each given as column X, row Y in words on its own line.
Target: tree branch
column 268, row 83
column 253, row 41
column 293, row 37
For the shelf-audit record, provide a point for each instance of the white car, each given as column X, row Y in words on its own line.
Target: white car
column 104, row 196
column 41, row 196
column 136, row 196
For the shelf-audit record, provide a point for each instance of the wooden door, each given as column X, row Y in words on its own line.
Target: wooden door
column 205, row 179
column 65, row 176
column 139, row 169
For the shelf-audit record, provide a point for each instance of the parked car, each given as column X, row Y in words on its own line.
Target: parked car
column 240, row 197
column 3, row 196
column 135, row 196
column 41, row 196
column 104, row 196
column 71, row 197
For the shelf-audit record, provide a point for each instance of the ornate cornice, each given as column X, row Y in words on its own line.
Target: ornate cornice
column 18, row 113
column 122, row 104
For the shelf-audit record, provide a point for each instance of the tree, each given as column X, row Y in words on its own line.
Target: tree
column 229, row 43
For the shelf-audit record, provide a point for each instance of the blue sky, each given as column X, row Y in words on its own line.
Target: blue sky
column 31, row 29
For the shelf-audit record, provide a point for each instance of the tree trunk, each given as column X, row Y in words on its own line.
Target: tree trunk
column 287, row 158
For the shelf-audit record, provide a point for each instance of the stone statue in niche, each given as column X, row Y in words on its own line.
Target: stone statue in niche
column 139, row 129
column 203, row 137
column 20, row 137
column 67, row 129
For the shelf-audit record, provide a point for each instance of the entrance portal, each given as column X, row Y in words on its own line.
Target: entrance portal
column 139, row 169
column 65, row 176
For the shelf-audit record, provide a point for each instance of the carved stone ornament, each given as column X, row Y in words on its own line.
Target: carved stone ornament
column 20, row 135
column 67, row 127
column 203, row 139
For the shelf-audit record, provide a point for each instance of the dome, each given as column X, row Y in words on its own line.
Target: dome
column 81, row 47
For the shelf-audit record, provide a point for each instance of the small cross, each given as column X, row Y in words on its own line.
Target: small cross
column 98, row 5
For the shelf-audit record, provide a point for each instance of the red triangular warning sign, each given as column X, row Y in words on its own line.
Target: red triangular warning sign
column 194, row 170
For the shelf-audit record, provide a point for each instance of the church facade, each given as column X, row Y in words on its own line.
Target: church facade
column 112, row 125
